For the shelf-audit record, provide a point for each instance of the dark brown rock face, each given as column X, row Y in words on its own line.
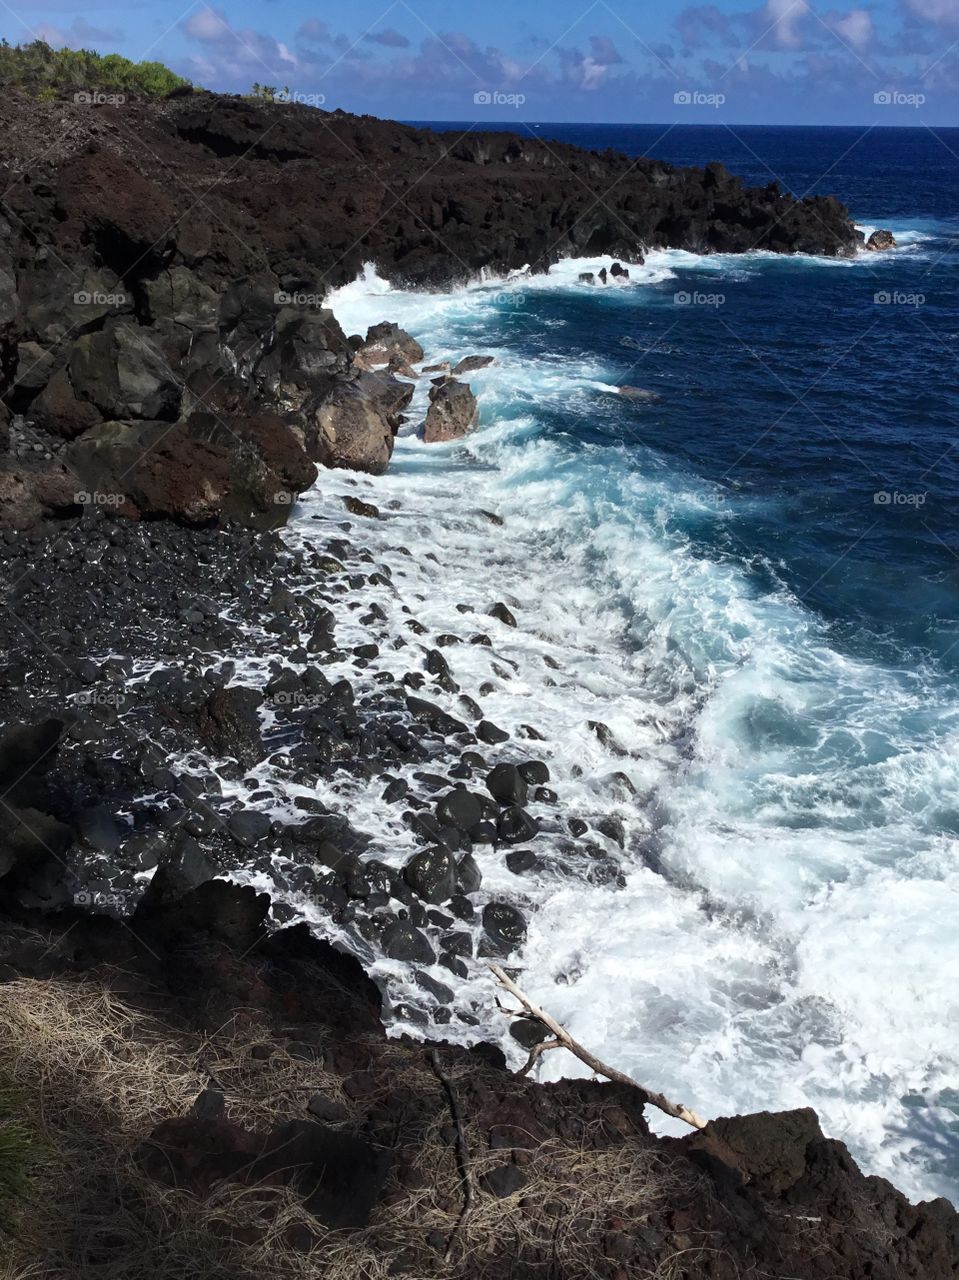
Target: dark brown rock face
column 185, row 354
column 452, row 412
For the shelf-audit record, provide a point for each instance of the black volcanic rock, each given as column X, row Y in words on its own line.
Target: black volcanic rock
column 188, row 358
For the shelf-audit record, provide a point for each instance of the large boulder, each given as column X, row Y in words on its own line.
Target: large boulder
column 355, row 424
column 202, row 471
column 308, row 349
column 383, row 342
column 122, row 373
column 452, row 412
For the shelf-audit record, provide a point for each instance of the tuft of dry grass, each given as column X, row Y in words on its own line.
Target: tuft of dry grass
column 97, row 1074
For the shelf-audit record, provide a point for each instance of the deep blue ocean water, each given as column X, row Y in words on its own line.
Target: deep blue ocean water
column 800, row 389
column 754, row 580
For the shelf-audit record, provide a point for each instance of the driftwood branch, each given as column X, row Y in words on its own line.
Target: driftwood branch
column 563, row 1040
column 462, row 1153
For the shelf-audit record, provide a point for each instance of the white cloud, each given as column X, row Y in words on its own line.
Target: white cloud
column 855, row 28
column 207, row 24
column 782, row 17
column 944, row 13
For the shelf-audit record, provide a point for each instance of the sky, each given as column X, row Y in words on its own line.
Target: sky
column 781, row 62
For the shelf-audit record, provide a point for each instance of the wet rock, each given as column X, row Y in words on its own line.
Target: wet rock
column 230, row 724
column 515, row 826
column 490, row 733
column 505, row 926
column 438, row 720
column 355, row 423
column 503, row 613
column 506, row 784
column 470, row 363
column 468, row 875
column 453, row 412
column 519, row 861
column 249, row 826
column 460, row 809
column 881, row 240
column 359, row 508
column 431, row 874
column 384, row 342
column 535, row 772
column 401, row 941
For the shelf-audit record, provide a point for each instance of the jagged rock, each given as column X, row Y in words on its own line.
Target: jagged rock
column 355, row 424
column 470, row 363
column 383, row 342
column 452, row 413
column 880, row 240
column 230, row 724
column 29, row 492
column 202, row 471
column 120, row 371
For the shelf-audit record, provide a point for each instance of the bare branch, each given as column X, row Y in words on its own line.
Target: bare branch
column 462, row 1153
column 562, row 1039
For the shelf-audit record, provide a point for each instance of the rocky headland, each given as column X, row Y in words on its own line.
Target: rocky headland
column 194, row 698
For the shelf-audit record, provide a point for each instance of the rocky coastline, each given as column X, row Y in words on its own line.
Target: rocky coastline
column 194, row 696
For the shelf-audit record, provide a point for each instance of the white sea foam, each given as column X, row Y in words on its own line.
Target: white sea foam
column 799, row 947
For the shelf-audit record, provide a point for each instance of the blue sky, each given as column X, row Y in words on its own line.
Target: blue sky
column 781, row 61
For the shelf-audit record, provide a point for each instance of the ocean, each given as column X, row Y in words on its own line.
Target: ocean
column 752, row 580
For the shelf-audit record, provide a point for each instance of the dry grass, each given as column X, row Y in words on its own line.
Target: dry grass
column 97, row 1075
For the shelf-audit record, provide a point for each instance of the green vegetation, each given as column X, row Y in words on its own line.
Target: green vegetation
column 18, row 1152
column 269, row 93
column 48, row 73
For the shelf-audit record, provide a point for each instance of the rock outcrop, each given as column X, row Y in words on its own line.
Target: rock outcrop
column 880, row 240
column 452, row 413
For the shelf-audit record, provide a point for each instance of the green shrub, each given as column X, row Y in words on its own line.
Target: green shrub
column 55, row 73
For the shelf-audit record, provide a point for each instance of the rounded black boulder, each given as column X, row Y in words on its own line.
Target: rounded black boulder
column 460, row 809
column 506, row 784
column 505, row 926
column 401, row 941
column 515, row 826
column 431, row 874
